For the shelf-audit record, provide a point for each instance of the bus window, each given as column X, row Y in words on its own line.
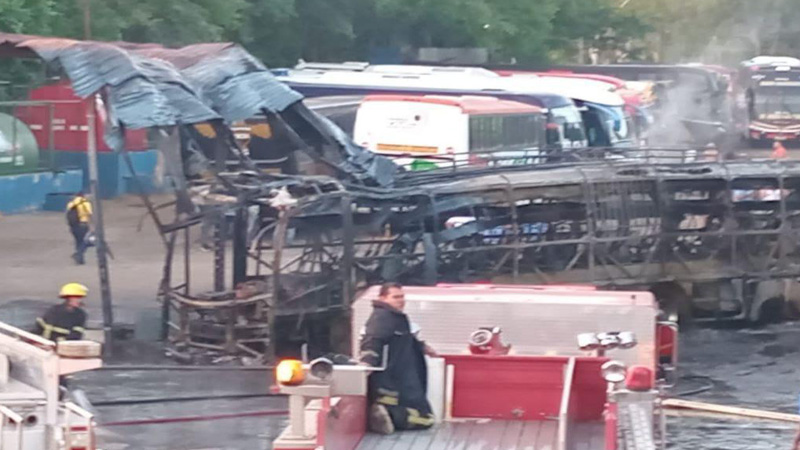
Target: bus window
column 777, row 103
column 570, row 127
column 496, row 132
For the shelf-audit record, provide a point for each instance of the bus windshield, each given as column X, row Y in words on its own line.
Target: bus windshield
column 606, row 126
column 616, row 124
column 776, row 103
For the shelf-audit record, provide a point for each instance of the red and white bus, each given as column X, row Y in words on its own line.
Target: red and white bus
column 435, row 130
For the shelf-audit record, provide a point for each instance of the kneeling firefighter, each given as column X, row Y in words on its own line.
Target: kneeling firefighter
column 398, row 394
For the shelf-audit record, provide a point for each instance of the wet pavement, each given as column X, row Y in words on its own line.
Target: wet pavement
column 753, row 368
column 211, row 423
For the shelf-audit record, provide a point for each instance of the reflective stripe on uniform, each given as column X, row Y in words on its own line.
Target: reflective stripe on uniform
column 46, row 328
column 49, row 329
column 79, row 329
column 388, row 400
column 416, row 419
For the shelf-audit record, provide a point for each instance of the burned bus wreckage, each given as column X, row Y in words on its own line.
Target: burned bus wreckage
column 306, row 219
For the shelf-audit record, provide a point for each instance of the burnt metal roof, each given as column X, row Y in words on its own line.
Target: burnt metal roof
column 148, row 85
column 151, row 85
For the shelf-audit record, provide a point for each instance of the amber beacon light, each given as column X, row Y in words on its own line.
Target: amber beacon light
column 290, row 372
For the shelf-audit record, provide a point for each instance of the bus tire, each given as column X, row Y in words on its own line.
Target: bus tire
column 673, row 302
column 769, row 304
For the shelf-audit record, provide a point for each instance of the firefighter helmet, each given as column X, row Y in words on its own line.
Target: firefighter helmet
column 73, row 290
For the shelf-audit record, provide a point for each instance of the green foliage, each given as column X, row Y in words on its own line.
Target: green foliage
column 17, row 16
column 268, row 30
column 282, row 31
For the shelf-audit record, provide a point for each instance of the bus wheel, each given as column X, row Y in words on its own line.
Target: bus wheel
column 770, row 311
column 768, row 302
column 673, row 302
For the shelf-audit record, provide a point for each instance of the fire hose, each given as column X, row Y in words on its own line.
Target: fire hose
column 709, row 385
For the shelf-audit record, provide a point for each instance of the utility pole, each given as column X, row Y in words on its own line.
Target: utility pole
column 220, row 155
column 87, row 19
column 100, row 238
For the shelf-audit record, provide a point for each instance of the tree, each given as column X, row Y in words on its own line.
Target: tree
column 281, row 31
column 269, row 31
column 326, row 29
column 18, row 16
column 421, row 23
column 521, row 29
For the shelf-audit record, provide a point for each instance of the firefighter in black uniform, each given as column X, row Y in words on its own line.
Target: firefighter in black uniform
column 65, row 321
column 397, row 395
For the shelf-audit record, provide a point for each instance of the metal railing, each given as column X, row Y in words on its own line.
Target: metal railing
column 8, row 415
column 661, row 418
column 26, row 336
column 563, row 413
column 82, row 434
column 424, row 168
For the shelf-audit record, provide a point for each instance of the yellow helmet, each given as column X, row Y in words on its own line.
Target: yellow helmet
column 73, row 290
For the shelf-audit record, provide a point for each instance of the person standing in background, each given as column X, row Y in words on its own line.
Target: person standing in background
column 79, row 218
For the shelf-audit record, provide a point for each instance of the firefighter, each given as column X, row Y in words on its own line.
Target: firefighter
column 79, row 216
column 65, row 321
column 397, row 395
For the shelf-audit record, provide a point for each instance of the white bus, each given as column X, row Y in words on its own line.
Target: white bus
column 427, row 131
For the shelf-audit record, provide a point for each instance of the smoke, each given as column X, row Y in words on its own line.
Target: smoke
column 727, row 32
column 720, row 32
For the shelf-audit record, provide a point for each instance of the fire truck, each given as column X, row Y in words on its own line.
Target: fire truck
column 33, row 414
column 768, row 99
column 560, row 367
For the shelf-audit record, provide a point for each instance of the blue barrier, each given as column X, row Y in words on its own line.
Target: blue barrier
column 52, row 190
column 30, row 191
column 114, row 177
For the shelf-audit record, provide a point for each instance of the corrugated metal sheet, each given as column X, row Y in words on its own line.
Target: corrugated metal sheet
column 183, row 57
column 142, row 92
column 149, row 85
column 222, row 76
column 229, row 79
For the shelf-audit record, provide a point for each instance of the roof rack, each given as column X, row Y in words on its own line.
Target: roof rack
column 347, row 66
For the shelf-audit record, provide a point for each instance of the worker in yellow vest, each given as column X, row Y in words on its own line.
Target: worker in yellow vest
column 79, row 218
